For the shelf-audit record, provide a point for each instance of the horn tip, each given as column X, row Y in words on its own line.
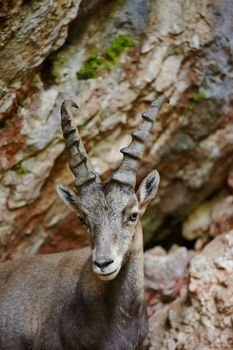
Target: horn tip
column 67, row 104
column 160, row 100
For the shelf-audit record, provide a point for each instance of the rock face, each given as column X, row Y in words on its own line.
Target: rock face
column 166, row 276
column 112, row 59
column 210, row 219
column 201, row 317
column 26, row 37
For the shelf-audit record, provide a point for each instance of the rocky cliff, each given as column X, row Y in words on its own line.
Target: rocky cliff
column 191, row 308
column 113, row 58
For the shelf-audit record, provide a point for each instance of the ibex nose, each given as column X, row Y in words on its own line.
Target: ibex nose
column 102, row 263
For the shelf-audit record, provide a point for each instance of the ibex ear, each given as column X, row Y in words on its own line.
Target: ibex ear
column 147, row 190
column 67, row 195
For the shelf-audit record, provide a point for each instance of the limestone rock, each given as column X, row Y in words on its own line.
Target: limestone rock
column 166, row 275
column 210, row 219
column 27, row 39
column 201, row 319
column 183, row 48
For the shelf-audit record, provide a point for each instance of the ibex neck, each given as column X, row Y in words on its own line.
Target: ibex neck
column 132, row 274
column 117, row 306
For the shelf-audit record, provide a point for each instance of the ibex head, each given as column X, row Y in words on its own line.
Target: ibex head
column 110, row 211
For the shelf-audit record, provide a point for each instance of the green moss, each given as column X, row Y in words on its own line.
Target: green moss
column 196, row 98
column 199, row 96
column 109, row 58
column 36, row 78
column 189, row 106
column 121, row 43
column 93, row 62
column 56, row 68
column 118, row 46
column 57, row 65
column 20, row 169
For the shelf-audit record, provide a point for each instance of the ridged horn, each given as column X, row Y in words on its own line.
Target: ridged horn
column 132, row 154
column 78, row 159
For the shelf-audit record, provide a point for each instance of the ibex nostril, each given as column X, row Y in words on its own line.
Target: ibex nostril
column 103, row 264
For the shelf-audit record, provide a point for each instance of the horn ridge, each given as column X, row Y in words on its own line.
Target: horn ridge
column 79, row 163
column 132, row 154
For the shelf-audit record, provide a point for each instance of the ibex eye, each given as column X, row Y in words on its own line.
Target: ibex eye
column 133, row 216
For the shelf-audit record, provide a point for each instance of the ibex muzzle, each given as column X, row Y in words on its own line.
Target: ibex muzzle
column 62, row 301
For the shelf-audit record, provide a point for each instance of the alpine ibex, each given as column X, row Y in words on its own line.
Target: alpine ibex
column 89, row 299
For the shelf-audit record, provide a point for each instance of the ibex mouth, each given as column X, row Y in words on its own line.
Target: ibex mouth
column 108, row 276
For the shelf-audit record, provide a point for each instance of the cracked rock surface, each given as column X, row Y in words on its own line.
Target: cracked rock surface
column 184, row 50
column 200, row 318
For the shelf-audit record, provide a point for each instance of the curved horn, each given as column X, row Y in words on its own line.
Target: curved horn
column 78, row 161
column 126, row 174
